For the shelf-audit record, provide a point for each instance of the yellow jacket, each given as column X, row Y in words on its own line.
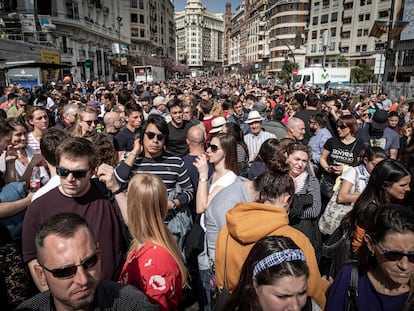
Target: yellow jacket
column 247, row 223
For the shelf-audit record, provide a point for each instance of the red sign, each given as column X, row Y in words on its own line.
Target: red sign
column 294, row 72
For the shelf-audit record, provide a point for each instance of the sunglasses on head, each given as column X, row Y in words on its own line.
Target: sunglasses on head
column 151, row 135
column 341, row 127
column 395, row 255
column 89, row 122
column 213, row 148
column 64, row 172
column 69, row 272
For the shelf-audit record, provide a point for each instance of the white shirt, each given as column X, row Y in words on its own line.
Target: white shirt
column 254, row 142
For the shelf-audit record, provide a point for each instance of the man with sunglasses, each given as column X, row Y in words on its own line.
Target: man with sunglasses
column 77, row 160
column 70, row 266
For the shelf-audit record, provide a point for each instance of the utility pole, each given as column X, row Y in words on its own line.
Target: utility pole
column 389, row 49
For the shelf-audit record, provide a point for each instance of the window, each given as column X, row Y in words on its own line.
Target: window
column 348, row 6
column 142, row 33
column 141, row 19
column 334, row 17
column 72, row 10
column 134, row 32
column 345, row 49
column 133, row 4
column 367, row 17
column 315, row 20
column 364, row 48
column 347, row 20
column 365, row 32
column 346, row 35
column 141, row 4
column 134, row 18
column 325, row 4
column 358, row 48
column 324, row 19
column 332, row 46
column 314, row 34
column 359, row 33
column 333, row 32
column 383, row 14
column 313, row 48
column 361, row 17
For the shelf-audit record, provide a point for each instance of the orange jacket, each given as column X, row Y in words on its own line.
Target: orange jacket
column 247, row 223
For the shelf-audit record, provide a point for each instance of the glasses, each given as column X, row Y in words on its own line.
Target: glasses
column 176, row 112
column 214, row 148
column 395, row 255
column 69, row 272
column 89, row 122
column 342, row 127
column 151, row 135
column 365, row 115
column 64, row 172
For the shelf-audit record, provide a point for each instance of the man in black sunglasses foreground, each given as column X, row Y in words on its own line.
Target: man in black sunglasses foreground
column 70, row 266
column 77, row 193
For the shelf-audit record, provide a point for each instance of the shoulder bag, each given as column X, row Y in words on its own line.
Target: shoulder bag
column 335, row 212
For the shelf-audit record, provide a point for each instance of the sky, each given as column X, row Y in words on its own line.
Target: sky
column 216, row 6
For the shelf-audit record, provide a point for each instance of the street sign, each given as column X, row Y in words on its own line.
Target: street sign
column 294, row 72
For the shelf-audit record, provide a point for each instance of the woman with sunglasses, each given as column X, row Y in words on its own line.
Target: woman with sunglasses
column 385, row 265
column 346, row 149
column 87, row 120
column 222, row 154
column 154, row 263
column 37, row 120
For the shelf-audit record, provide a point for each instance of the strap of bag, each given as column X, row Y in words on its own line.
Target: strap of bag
column 356, row 179
column 225, row 262
column 353, row 290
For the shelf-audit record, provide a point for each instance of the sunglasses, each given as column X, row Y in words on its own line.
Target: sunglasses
column 214, row 148
column 89, row 122
column 64, row 172
column 151, row 135
column 395, row 255
column 366, row 115
column 342, row 127
column 69, row 272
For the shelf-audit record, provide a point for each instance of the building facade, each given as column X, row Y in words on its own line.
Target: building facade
column 199, row 38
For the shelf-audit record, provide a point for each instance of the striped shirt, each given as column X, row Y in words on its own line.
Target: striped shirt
column 254, row 142
column 169, row 168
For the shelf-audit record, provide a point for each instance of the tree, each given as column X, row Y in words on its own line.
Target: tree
column 362, row 74
column 285, row 75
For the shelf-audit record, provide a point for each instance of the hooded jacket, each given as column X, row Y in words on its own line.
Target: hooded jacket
column 247, row 223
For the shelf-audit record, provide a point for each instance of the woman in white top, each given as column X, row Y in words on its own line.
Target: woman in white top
column 361, row 174
column 38, row 121
column 222, row 154
column 26, row 160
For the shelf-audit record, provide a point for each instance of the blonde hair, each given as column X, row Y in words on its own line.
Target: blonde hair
column 147, row 208
column 77, row 129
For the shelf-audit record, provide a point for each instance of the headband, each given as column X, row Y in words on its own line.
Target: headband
column 277, row 258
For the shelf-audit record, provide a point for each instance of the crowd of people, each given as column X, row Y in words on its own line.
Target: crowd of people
column 214, row 194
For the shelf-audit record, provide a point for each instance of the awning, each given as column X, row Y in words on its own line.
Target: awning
column 33, row 64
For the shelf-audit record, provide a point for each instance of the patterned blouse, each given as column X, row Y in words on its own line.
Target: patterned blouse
column 153, row 270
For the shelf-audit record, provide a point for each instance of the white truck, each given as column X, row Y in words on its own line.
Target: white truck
column 318, row 77
column 149, row 73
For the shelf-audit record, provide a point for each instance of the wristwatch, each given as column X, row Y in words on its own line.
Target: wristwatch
column 202, row 179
